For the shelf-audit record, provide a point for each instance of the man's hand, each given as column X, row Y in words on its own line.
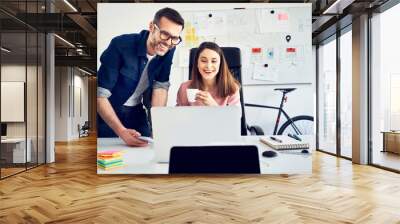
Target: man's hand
column 130, row 137
column 205, row 98
column 107, row 112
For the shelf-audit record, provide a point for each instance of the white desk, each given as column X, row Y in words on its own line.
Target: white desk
column 139, row 160
column 18, row 151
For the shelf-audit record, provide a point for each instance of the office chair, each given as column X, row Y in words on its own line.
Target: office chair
column 84, row 129
column 232, row 56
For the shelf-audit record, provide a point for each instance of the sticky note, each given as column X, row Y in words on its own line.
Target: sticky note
column 291, row 50
column 283, row 16
column 270, row 53
column 256, row 50
column 109, row 153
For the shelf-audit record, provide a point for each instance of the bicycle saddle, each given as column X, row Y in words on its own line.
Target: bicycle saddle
column 285, row 90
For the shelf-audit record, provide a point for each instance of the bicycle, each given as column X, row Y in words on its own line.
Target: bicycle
column 299, row 125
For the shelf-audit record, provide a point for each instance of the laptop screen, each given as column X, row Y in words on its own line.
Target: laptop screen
column 215, row 159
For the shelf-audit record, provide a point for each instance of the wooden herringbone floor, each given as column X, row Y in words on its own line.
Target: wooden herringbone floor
column 70, row 191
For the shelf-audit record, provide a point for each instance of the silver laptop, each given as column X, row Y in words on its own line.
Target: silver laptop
column 193, row 126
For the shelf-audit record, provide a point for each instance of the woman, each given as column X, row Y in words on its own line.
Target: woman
column 211, row 76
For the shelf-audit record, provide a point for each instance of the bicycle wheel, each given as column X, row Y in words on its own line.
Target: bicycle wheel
column 304, row 124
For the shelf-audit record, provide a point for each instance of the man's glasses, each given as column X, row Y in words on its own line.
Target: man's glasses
column 164, row 35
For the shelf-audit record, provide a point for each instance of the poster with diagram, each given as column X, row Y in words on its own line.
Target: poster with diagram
column 275, row 42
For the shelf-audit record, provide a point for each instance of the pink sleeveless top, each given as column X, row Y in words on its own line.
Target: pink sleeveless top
column 182, row 100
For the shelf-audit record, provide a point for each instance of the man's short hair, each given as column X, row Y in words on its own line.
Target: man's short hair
column 170, row 14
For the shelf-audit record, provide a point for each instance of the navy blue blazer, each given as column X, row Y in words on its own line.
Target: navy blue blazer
column 123, row 62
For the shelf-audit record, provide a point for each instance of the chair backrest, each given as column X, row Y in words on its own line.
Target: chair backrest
column 232, row 56
column 86, row 125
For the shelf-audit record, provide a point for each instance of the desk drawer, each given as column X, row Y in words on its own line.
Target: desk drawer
column 15, row 152
column 6, row 154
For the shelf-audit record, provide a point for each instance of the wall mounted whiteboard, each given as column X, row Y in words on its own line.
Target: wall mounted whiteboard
column 275, row 41
column 12, row 101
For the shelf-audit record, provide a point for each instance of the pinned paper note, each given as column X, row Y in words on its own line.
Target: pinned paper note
column 277, row 22
column 283, row 16
column 241, row 21
column 292, row 55
column 190, row 38
column 264, row 71
column 210, row 23
column 256, row 56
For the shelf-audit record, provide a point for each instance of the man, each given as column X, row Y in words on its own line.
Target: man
column 132, row 67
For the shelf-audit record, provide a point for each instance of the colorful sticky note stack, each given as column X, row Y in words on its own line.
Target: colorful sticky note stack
column 110, row 159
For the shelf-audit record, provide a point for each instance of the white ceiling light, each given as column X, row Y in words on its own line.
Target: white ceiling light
column 80, row 51
column 65, row 41
column 5, row 50
column 70, row 5
column 338, row 6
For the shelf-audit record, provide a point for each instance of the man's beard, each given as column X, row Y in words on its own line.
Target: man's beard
column 154, row 44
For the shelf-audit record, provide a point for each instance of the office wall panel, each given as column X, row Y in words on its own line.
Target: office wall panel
column 41, row 99
column 32, row 97
column 22, row 69
column 92, row 98
column 12, row 101
column 14, row 70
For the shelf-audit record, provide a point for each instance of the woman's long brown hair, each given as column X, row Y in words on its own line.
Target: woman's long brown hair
column 226, row 84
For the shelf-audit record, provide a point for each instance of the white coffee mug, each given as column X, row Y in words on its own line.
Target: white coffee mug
column 191, row 94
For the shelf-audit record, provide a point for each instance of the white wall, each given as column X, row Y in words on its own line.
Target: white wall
column 61, row 106
column 80, row 83
column 13, row 72
column 117, row 19
column 68, row 82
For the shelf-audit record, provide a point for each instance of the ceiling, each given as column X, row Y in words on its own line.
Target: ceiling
column 76, row 22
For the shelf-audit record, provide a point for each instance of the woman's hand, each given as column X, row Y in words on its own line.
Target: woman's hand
column 205, row 98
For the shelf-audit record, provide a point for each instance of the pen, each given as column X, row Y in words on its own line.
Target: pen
column 275, row 139
column 295, row 137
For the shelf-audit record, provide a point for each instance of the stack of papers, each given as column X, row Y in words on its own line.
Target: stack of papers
column 110, row 159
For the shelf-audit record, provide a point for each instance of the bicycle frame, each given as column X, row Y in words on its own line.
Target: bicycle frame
column 281, row 111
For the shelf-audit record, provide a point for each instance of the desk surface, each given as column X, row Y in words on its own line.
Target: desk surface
column 391, row 132
column 140, row 160
column 13, row 140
